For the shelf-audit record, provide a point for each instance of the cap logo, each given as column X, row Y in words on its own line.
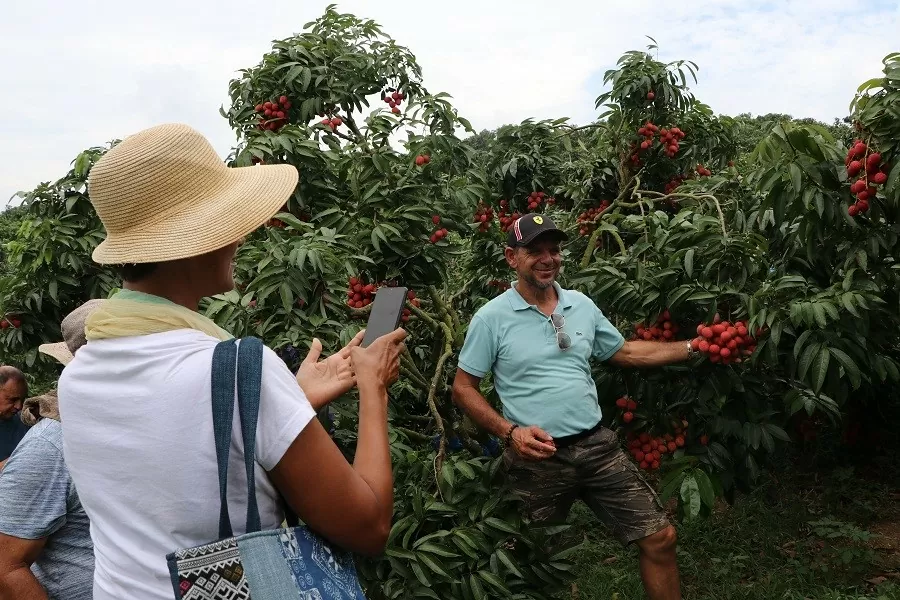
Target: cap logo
column 538, row 219
column 516, row 230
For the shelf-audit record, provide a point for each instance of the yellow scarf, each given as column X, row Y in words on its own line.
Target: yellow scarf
column 129, row 313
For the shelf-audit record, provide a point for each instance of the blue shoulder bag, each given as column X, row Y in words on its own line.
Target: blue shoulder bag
column 284, row 563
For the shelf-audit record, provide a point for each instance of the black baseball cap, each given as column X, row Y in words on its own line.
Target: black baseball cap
column 527, row 227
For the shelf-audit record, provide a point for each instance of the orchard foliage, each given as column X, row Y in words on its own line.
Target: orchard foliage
column 48, row 269
column 675, row 226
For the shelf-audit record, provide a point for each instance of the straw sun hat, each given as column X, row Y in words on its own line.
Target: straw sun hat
column 73, row 333
column 164, row 194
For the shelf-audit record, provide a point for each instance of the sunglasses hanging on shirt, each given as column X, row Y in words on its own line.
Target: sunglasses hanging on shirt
column 562, row 338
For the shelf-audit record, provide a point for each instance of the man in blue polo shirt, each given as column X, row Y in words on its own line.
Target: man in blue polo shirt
column 538, row 339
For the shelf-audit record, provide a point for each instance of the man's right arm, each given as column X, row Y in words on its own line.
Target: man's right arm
column 476, row 358
column 35, row 475
column 467, row 395
column 16, row 579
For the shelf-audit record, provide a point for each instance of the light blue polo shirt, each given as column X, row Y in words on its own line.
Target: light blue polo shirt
column 538, row 383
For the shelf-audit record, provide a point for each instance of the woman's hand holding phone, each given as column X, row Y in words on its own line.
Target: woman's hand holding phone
column 379, row 363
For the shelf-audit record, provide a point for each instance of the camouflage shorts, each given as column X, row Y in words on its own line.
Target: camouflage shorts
column 596, row 470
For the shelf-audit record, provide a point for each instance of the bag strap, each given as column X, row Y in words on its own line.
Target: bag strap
column 249, row 386
column 245, row 360
column 223, row 373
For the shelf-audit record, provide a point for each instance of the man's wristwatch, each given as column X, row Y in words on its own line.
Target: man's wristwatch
column 691, row 351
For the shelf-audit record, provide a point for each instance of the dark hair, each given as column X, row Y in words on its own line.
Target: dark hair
column 8, row 373
column 134, row 272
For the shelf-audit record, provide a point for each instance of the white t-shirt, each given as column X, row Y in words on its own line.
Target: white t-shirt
column 138, row 442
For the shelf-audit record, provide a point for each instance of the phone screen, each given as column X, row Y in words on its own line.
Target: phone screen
column 386, row 312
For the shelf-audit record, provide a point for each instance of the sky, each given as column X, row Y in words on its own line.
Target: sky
column 78, row 74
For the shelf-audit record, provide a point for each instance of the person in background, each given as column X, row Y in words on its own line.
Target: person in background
column 136, row 400
column 13, row 390
column 537, row 339
column 45, row 539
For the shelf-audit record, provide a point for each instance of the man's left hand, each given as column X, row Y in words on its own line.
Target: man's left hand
column 326, row 380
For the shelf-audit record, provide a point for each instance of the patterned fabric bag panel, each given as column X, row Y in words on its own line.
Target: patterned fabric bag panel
column 210, row 571
column 266, row 565
column 281, row 564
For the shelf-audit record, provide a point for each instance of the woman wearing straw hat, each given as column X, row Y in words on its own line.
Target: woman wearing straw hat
column 136, row 400
column 45, row 540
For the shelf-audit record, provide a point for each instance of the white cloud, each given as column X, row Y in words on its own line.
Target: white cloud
column 80, row 74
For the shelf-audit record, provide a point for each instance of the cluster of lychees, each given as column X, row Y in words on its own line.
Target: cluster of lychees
column 586, row 219
column 663, row 330
column 484, row 214
column 724, row 342
column 361, row 294
column 273, row 115
column 865, row 163
column 439, row 233
column 393, row 98
column 648, row 450
column 535, row 199
column 506, row 219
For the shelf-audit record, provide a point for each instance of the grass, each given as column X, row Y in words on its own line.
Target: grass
column 799, row 536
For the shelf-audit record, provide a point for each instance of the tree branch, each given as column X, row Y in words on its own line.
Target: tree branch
column 415, row 435
column 592, row 242
column 661, row 196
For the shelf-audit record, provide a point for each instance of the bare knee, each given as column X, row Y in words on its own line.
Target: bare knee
column 659, row 545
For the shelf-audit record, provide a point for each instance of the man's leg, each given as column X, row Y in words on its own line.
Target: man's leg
column 614, row 489
column 659, row 565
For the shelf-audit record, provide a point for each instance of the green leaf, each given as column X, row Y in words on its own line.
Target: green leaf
column 447, row 474
column 690, row 495
column 819, row 314
column 305, row 78
column 466, row 470
column 796, row 178
column 850, row 368
column 287, row 297
column 435, row 549
column 494, row 581
column 801, row 339
column 892, row 186
column 477, row 588
column 432, row 564
column 400, row 553
column 820, row 369
column 501, row 525
column 777, row 432
column 806, row 360
column 689, row 262
column 707, row 494
column 507, row 559
column 892, row 370
column 420, row 574
column 847, row 301
column 431, row 536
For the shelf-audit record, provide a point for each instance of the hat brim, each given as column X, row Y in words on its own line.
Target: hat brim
column 59, row 351
column 243, row 199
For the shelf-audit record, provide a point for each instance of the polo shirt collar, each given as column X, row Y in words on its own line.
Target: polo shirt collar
column 518, row 302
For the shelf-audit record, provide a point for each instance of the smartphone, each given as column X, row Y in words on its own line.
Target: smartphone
column 386, row 313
